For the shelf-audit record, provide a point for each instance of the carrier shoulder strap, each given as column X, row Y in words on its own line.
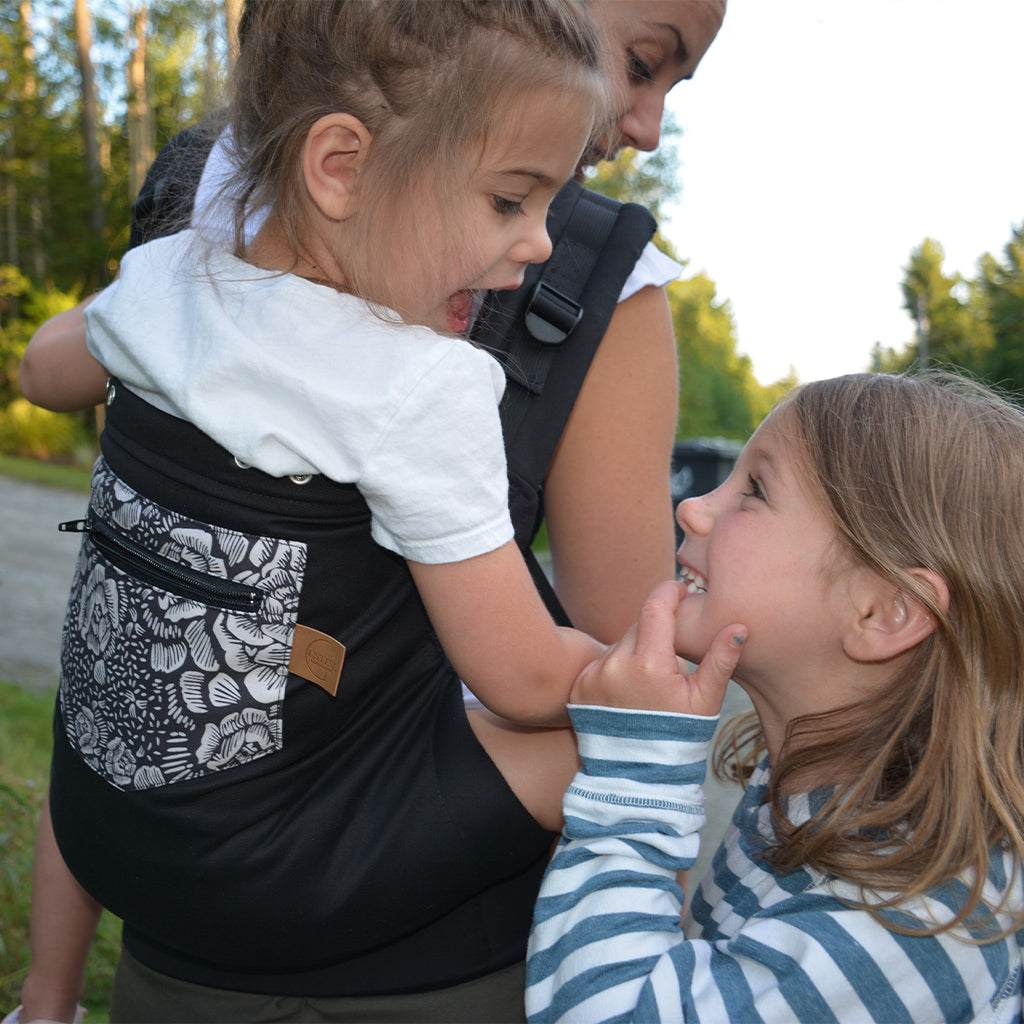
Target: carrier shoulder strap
column 545, row 335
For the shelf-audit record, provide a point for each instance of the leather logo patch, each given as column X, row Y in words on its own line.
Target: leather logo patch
column 317, row 657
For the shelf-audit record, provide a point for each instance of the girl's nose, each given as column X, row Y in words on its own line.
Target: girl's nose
column 641, row 124
column 534, row 246
column 695, row 515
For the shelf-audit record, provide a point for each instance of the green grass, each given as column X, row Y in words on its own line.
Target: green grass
column 25, row 746
column 53, row 474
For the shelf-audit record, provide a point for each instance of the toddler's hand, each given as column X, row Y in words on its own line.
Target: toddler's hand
column 643, row 672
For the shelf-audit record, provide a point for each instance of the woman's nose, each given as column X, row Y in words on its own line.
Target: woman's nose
column 641, row 124
column 695, row 515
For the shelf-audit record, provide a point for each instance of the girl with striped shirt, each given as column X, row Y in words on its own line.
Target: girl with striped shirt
column 861, row 576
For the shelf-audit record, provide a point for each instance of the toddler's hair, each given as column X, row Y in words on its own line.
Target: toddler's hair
column 429, row 80
column 918, row 471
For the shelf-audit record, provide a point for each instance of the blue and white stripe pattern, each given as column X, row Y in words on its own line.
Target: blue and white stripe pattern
column 607, row 944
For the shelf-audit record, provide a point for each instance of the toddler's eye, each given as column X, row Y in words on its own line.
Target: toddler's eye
column 754, row 490
column 638, row 70
column 507, row 207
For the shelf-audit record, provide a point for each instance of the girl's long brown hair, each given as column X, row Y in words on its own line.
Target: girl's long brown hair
column 917, row 471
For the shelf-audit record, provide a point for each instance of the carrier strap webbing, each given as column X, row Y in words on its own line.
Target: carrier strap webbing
column 546, row 333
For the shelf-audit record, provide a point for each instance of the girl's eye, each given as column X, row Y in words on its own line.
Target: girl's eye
column 508, row 207
column 638, row 70
column 754, row 489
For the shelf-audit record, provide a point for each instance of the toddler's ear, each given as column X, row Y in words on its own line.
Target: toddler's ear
column 889, row 621
column 335, row 151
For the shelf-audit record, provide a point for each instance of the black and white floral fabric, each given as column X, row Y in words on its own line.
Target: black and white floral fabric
column 157, row 687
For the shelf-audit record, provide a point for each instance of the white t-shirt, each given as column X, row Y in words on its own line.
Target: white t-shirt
column 213, row 215
column 293, row 377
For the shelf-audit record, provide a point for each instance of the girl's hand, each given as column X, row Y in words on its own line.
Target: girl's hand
column 643, row 672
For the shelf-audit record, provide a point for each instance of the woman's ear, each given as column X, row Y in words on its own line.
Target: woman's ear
column 335, row 151
column 888, row 621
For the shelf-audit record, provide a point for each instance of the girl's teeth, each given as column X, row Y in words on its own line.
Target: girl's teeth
column 694, row 584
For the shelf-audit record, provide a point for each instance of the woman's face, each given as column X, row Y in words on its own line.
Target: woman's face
column 650, row 45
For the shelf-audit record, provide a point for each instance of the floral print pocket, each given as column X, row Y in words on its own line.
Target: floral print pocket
column 176, row 641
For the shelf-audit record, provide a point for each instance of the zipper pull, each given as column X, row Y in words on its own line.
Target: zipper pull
column 74, row 526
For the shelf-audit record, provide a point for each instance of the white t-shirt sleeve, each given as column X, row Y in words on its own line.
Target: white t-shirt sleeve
column 653, row 267
column 436, row 481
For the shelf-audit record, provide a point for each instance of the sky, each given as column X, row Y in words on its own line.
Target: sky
column 822, row 141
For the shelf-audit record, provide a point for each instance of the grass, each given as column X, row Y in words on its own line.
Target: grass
column 53, row 474
column 25, row 746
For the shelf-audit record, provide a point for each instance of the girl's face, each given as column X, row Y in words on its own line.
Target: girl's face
column 499, row 227
column 761, row 550
column 650, row 45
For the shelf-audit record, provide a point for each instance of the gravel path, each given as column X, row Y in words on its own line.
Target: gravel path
column 36, row 566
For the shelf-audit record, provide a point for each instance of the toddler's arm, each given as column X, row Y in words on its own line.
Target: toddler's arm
column 57, row 371
column 610, row 898
column 63, row 922
column 499, row 636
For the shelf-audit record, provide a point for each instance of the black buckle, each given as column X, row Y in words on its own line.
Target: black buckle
column 550, row 315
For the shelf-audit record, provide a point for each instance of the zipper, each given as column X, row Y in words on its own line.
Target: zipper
column 156, row 570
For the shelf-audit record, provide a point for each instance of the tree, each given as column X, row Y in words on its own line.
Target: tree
column 947, row 326
column 1000, row 289
column 718, row 393
column 90, row 117
column 140, row 115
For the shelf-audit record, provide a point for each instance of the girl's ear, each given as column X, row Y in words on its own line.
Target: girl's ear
column 889, row 621
column 335, row 151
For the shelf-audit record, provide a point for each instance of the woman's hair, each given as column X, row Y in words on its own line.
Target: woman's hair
column 922, row 471
column 429, row 80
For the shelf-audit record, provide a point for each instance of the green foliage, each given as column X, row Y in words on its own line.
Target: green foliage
column 1000, row 300
column 949, row 332
column 718, row 393
column 25, row 745
column 24, row 428
column 44, row 186
column 974, row 324
column 27, row 430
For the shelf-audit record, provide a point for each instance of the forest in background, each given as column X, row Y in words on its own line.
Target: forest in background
column 90, row 89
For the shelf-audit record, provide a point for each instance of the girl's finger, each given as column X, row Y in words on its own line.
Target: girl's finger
column 656, row 625
column 712, row 675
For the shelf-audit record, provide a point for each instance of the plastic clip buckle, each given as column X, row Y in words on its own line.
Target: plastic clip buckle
column 550, row 315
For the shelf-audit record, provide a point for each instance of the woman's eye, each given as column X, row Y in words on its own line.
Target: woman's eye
column 638, row 70
column 754, row 489
column 508, row 207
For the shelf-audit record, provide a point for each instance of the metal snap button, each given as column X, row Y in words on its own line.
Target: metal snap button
column 300, row 478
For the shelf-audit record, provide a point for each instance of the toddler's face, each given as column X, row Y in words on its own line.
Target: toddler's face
column 499, row 223
column 761, row 549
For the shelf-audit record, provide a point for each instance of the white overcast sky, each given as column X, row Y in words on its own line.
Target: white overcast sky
column 822, row 141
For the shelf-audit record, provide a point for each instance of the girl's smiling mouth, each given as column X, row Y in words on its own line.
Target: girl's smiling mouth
column 694, row 582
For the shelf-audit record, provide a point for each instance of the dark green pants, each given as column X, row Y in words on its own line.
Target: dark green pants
column 144, row 996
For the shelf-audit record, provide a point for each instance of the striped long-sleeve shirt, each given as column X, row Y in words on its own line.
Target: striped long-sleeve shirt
column 758, row 946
